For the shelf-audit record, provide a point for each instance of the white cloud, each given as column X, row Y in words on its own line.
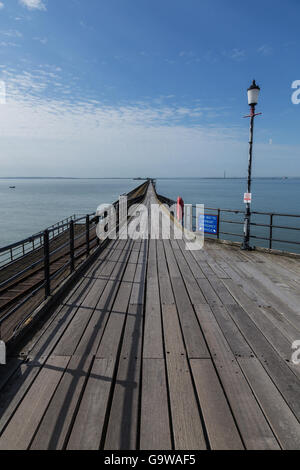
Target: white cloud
column 41, row 40
column 8, row 44
column 1, row 5
column 12, row 33
column 33, row 4
column 86, row 137
column 237, row 54
column 265, row 50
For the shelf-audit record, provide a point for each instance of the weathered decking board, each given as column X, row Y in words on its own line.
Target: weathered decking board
column 157, row 347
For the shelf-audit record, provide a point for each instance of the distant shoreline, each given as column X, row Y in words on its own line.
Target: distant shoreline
column 157, row 178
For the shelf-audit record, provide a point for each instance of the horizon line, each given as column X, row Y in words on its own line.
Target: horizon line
column 143, row 178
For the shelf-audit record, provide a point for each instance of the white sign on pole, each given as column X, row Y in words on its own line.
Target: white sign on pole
column 247, row 198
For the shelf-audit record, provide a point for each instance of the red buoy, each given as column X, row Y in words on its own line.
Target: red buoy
column 180, row 209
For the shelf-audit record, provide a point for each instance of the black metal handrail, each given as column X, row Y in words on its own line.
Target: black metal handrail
column 73, row 253
column 17, row 250
column 270, row 226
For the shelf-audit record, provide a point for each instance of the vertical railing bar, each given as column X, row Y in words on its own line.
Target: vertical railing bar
column 271, row 232
column 72, row 265
column 87, row 235
column 47, row 264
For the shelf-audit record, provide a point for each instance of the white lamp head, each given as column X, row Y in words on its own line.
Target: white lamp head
column 253, row 94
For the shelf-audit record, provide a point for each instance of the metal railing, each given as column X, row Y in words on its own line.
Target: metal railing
column 14, row 251
column 266, row 228
column 53, row 264
column 271, row 230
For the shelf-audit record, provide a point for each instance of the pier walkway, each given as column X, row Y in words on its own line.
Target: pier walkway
column 156, row 348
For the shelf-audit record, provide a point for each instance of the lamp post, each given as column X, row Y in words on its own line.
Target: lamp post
column 253, row 94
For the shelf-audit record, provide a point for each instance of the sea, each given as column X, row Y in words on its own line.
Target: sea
column 35, row 204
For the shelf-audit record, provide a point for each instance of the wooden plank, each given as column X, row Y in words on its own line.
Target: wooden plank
column 63, row 313
column 111, row 338
column 244, row 292
column 24, row 423
column 67, row 344
column 282, row 420
column 186, row 421
column 208, row 292
column 173, row 269
column 205, row 268
column 264, row 295
column 287, row 299
column 253, row 427
column 91, row 338
column 266, row 326
column 166, row 292
column 222, row 292
column 14, row 390
column 42, row 345
column 110, row 341
column 89, row 423
column 193, row 337
column 234, row 337
column 137, row 294
column 58, row 419
column 13, row 363
column 123, row 419
column 155, row 432
column 218, row 271
column 192, row 287
column 194, row 266
column 153, row 338
column 281, row 374
column 101, row 289
column 220, row 426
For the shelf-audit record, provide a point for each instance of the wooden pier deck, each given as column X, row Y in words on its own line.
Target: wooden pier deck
column 156, row 348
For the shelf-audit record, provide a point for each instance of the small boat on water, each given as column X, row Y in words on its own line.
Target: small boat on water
column 12, row 187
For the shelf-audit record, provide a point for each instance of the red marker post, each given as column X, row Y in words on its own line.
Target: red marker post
column 180, row 210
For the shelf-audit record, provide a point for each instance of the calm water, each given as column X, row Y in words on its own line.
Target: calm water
column 268, row 195
column 36, row 204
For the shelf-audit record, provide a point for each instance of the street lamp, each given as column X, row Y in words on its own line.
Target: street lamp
column 253, row 94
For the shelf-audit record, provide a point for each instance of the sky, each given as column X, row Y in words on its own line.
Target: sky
column 121, row 88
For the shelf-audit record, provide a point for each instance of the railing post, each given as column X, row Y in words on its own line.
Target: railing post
column 218, row 228
column 97, row 218
column 72, row 265
column 87, row 235
column 271, row 231
column 47, row 264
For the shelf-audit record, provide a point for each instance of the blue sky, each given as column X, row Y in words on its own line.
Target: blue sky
column 147, row 87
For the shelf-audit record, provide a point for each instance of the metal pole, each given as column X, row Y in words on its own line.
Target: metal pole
column 47, row 264
column 271, row 232
column 87, row 234
column 247, row 221
column 72, row 265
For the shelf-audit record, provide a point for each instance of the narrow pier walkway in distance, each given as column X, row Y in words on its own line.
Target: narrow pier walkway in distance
column 161, row 348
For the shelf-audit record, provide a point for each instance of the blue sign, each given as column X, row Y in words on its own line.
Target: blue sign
column 208, row 224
